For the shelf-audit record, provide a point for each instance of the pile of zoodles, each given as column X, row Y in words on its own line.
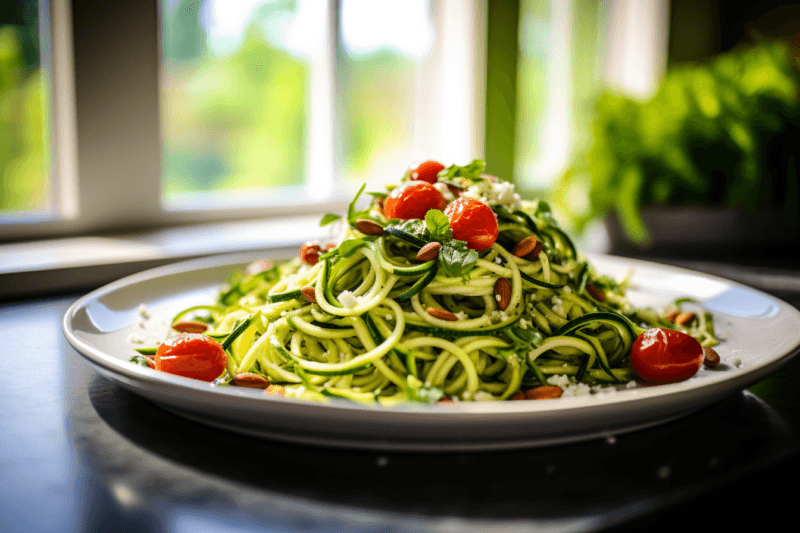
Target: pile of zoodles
column 365, row 319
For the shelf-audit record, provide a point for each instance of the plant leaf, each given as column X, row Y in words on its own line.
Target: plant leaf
column 329, row 218
column 472, row 171
column 456, row 259
column 438, row 225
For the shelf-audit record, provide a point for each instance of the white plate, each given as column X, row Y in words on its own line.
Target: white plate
column 758, row 331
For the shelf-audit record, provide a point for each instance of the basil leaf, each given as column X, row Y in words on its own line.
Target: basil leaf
column 472, row 171
column 350, row 246
column 424, row 394
column 378, row 194
column 328, row 218
column 438, row 225
column 415, row 228
column 456, row 259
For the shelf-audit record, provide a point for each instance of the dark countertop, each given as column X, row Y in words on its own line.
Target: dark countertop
column 82, row 454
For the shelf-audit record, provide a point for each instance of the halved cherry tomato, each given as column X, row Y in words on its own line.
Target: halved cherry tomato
column 472, row 221
column 192, row 355
column 427, row 171
column 412, row 200
column 666, row 356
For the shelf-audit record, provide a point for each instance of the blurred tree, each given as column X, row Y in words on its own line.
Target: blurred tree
column 184, row 37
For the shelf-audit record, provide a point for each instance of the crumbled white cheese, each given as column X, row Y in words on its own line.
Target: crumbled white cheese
column 497, row 297
column 490, row 193
column 499, row 316
column 736, row 362
column 348, row 300
column 567, row 289
column 559, row 380
column 498, row 260
column 461, row 315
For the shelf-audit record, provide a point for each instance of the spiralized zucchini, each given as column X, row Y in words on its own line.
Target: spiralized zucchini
column 364, row 321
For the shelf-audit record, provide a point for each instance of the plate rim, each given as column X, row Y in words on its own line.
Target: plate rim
column 181, row 387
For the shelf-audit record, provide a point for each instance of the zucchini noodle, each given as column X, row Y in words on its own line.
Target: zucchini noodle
column 365, row 320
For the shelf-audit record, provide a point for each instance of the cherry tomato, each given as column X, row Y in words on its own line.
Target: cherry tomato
column 412, row 200
column 309, row 253
column 192, row 355
column 427, row 171
column 472, row 221
column 666, row 356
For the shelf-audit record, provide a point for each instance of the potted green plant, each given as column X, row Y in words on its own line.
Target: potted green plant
column 711, row 158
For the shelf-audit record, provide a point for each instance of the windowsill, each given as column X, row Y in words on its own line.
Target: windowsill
column 82, row 263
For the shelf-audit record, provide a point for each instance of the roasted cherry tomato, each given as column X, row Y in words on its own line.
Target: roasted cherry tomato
column 427, row 171
column 309, row 253
column 192, row 355
column 666, row 356
column 472, row 221
column 412, row 200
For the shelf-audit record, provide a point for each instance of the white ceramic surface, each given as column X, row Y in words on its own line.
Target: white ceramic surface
column 759, row 334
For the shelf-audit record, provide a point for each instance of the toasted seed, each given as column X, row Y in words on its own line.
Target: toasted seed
column 276, row 390
column 684, row 318
column 502, row 289
column 369, row 227
column 190, row 326
column 519, row 395
column 534, row 255
column 309, row 293
column 248, row 379
column 545, row 392
column 671, row 315
column 710, row 357
column 442, row 314
column 594, row 291
column 429, row 251
column 525, row 246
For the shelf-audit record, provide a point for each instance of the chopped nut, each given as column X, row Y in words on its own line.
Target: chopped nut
column 525, row 246
column 429, row 251
column 442, row 314
column 309, row 293
column 519, row 395
column 684, row 318
column 534, row 255
column 248, row 379
column 545, row 392
column 671, row 315
column 711, row 357
column 369, row 227
column 190, row 326
column 502, row 291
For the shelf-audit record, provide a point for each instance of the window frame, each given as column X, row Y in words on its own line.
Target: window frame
column 105, row 63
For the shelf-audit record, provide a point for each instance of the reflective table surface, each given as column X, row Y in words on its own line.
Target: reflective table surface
column 79, row 453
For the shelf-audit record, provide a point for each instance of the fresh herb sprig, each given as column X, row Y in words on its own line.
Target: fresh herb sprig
column 455, row 258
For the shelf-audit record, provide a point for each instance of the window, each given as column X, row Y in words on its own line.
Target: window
column 199, row 110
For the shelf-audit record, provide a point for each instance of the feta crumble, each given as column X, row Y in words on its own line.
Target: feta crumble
column 348, row 300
